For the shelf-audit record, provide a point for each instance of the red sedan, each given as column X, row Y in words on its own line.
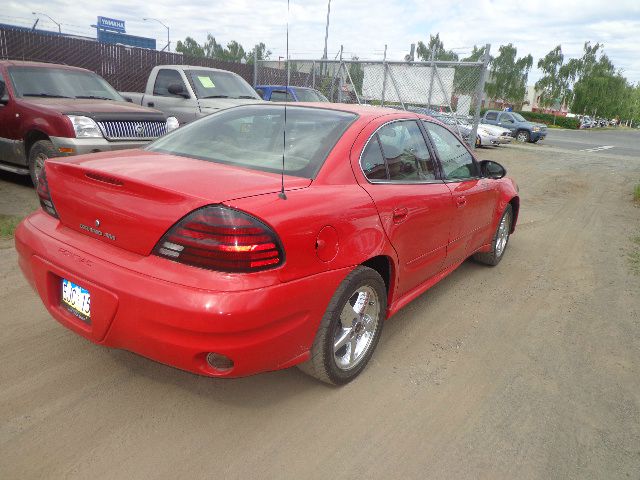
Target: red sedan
column 235, row 245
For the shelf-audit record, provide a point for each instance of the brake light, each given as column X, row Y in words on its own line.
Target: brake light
column 223, row 239
column 44, row 195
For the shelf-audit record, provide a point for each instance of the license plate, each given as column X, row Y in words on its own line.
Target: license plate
column 77, row 300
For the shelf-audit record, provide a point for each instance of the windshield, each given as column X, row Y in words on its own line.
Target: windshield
column 60, row 83
column 519, row 117
column 252, row 137
column 310, row 95
column 218, row 84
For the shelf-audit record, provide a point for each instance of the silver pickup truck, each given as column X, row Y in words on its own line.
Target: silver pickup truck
column 191, row 92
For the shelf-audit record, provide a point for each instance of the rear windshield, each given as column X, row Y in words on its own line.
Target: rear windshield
column 217, row 84
column 310, row 95
column 60, row 83
column 253, row 137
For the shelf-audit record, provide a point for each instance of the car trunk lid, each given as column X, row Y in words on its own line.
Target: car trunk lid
column 131, row 198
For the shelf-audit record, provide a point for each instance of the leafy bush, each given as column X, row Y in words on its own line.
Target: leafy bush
column 547, row 118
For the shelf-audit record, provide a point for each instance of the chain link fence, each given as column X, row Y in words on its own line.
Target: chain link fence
column 125, row 68
column 449, row 91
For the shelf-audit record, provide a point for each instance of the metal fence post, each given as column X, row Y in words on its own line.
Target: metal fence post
column 433, row 67
column 480, row 95
column 313, row 74
column 340, row 79
column 255, row 67
column 384, row 73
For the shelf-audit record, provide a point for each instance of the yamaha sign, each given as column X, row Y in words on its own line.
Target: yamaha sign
column 111, row 24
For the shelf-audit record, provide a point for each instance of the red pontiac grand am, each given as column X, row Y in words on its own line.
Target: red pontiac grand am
column 231, row 247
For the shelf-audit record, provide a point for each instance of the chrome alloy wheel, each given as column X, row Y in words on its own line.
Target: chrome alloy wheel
column 358, row 323
column 503, row 234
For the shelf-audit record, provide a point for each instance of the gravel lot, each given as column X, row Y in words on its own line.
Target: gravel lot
column 528, row 370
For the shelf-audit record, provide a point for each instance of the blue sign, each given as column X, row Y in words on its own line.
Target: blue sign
column 111, row 24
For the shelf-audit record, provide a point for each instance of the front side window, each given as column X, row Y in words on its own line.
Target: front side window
column 253, row 137
column 398, row 152
column 60, row 83
column 457, row 162
column 506, row 118
column 3, row 88
column 310, row 95
column 165, row 78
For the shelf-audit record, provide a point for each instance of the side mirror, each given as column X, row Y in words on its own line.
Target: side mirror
column 491, row 169
column 177, row 89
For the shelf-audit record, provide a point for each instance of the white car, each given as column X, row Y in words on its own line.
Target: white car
column 502, row 135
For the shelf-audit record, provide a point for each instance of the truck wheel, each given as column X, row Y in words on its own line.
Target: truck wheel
column 478, row 142
column 523, row 136
column 40, row 151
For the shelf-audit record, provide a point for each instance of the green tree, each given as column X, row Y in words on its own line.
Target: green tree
column 424, row 51
column 190, row 47
column 356, row 72
column 261, row 50
column 466, row 79
column 508, row 75
column 554, row 83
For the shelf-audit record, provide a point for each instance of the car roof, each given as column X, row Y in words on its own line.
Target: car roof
column 20, row 63
column 195, row 67
column 363, row 111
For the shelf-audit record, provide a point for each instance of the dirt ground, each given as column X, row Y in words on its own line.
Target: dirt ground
column 529, row 370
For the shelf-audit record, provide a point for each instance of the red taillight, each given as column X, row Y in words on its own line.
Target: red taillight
column 223, row 239
column 44, row 195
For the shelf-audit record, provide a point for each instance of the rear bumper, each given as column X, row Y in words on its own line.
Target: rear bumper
column 81, row 146
column 260, row 329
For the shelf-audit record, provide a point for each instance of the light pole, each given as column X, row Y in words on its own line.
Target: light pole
column 168, row 47
column 39, row 13
column 326, row 33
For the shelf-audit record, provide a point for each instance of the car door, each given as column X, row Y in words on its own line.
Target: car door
column 474, row 196
column 414, row 204
column 184, row 109
column 506, row 120
column 10, row 141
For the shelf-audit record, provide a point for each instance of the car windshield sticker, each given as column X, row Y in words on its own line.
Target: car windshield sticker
column 206, row 81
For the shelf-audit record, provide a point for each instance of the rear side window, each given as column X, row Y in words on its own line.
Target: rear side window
column 492, row 116
column 164, row 79
column 398, row 152
column 281, row 96
column 252, row 137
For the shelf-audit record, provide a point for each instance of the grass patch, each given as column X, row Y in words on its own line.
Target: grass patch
column 636, row 193
column 634, row 255
column 8, row 224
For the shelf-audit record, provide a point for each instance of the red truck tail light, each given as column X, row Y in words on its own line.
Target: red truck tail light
column 223, row 239
column 44, row 195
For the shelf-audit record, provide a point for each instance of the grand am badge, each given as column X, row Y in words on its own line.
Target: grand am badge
column 95, row 231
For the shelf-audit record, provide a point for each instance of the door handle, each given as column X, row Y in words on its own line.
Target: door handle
column 400, row 215
column 461, row 201
column 150, row 104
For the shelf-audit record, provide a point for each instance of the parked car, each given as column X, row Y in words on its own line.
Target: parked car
column 283, row 93
column 49, row 110
column 521, row 129
column 190, row 92
column 500, row 136
column 219, row 251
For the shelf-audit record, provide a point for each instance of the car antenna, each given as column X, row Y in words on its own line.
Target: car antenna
column 283, row 195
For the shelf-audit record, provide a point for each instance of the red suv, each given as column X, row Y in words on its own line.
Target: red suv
column 49, row 110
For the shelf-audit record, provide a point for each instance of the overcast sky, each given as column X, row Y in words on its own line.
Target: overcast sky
column 365, row 26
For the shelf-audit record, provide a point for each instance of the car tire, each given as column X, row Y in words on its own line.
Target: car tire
column 340, row 351
column 38, row 154
column 523, row 136
column 478, row 142
column 499, row 242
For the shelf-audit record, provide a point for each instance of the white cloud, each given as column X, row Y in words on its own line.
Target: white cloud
column 364, row 26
